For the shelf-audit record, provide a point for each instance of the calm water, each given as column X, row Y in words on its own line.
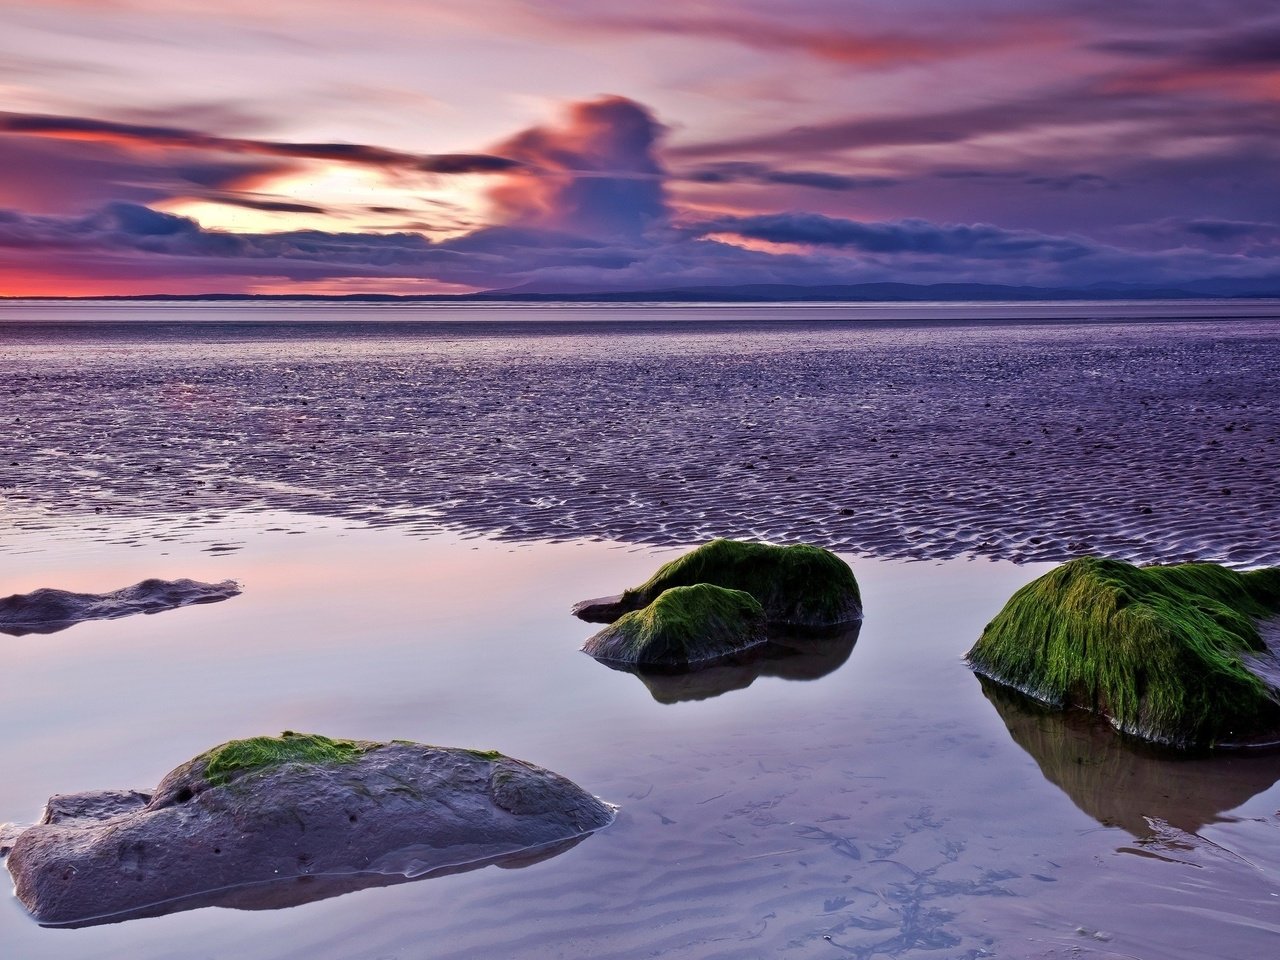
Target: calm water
column 887, row 806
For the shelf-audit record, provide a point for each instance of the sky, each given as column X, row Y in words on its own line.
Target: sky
column 436, row 146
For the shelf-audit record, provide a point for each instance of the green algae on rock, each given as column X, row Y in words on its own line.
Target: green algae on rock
column 798, row 586
column 1166, row 653
column 684, row 625
column 237, row 757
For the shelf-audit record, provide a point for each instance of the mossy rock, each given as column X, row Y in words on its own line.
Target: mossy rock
column 1170, row 654
column 276, row 821
column 684, row 625
column 798, row 586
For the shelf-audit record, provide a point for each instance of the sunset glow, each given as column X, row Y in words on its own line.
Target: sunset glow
column 511, row 143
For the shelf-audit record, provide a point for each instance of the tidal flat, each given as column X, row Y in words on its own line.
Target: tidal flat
column 411, row 509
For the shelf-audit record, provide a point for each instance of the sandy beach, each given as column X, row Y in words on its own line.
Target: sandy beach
column 411, row 509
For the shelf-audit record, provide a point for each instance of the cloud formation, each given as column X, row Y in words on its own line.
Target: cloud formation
column 582, row 204
column 910, row 236
column 141, row 135
column 744, row 171
column 133, row 241
column 595, row 173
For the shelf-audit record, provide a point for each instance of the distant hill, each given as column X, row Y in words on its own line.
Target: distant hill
column 772, row 293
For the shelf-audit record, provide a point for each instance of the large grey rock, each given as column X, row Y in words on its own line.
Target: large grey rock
column 288, row 832
column 48, row 610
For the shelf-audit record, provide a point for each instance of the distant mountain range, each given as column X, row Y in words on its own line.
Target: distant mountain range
column 776, row 293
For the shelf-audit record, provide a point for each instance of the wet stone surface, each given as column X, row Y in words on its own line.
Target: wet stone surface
column 398, row 811
column 50, row 610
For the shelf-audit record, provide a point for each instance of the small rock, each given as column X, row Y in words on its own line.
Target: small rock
column 48, row 610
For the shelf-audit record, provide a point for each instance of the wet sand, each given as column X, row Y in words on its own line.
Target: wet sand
column 1141, row 439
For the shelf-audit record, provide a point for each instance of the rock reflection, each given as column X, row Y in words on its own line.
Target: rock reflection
column 297, row 891
column 1123, row 783
column 792, row 655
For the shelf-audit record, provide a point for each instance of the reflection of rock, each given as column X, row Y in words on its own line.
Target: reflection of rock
column 683, row 626
column 1171, row 654
column 1122, row 783
column 799, row 585
column 276, row 821
column 294, row 891
column 48, row 611
column 788, row 657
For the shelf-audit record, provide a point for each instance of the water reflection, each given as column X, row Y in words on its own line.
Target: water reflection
column 1124, row 783
column 790, row 656
column 296, row 891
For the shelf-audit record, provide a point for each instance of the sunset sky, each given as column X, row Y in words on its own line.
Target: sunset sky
column 419, row 146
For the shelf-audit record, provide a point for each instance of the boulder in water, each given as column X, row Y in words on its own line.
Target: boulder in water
column 683, row 626
column 1169, row 654
column 798, row 586
column 273, row 821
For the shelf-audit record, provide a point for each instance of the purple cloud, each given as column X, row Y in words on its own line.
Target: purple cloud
column 595, row 174
column 743, row 171
column 585, row 204
column 910, row 236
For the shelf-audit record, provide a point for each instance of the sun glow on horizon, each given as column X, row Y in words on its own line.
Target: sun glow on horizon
column 344, row 197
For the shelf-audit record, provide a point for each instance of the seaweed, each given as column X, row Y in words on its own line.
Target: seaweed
column 238, row 757
column 799, row 585
column 1158, row 650
column 683, row 625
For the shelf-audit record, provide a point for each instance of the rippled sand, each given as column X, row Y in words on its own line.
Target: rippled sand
column 1142, row 439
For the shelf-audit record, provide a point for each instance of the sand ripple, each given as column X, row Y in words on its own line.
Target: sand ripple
column 1143, row 440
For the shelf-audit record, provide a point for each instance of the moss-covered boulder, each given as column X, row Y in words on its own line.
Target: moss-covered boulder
column 683, row 626
column 275, row 821
column 1170, row 654
column 798, row 586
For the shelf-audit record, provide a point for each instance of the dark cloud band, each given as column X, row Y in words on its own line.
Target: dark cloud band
column 84, row 128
